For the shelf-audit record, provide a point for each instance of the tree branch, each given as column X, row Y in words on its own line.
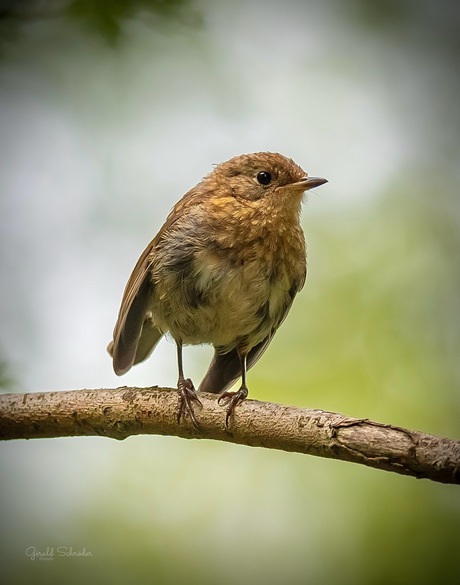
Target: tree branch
column 121, row 412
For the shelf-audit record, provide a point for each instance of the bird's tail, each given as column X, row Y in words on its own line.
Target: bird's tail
column 225, row 368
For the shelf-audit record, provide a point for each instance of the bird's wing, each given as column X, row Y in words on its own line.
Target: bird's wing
column 225, row 368
column 135, row 334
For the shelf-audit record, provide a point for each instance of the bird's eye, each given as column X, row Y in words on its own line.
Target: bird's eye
column 264, row 177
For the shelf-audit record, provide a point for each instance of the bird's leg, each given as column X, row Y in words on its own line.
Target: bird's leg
column 232, row 399
column 186, row 389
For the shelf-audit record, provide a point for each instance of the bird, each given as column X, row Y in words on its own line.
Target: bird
column 223, row 270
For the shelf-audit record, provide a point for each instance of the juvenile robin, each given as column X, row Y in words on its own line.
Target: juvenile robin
column 223, row 270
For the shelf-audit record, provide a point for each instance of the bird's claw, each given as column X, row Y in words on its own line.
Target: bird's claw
column 187, row 395
column 232, row 399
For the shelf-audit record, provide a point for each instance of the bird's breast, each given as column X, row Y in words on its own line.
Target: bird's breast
column 222, row 288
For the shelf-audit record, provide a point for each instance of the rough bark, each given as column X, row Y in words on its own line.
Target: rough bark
column 119, row 413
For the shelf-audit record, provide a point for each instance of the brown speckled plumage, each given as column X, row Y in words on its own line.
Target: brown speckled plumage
column 224, row 270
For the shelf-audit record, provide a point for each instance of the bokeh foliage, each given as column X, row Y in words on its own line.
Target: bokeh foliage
column 375, row 333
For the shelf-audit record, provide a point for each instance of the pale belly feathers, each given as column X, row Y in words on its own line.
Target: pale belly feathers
column 212, row 299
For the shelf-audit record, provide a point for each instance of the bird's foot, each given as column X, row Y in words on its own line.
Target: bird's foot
column 232, row 399
column 187, row 395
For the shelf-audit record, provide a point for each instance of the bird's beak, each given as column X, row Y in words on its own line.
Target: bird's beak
column 310, row 182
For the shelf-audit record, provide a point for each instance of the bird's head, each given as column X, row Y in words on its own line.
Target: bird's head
column 264, row 175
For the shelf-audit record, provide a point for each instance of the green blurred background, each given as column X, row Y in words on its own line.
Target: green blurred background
column 109, row 112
